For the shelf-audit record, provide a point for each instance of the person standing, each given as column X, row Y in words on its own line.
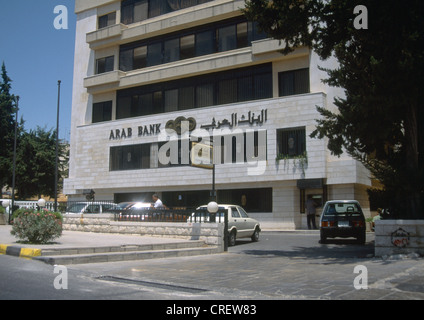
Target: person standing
column 311, row 212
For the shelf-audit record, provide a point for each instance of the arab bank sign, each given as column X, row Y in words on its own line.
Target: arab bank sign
column 174, row 126
column 183, row 143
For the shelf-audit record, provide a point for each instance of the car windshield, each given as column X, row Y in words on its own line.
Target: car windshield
column 76, row 208
column 342, row 209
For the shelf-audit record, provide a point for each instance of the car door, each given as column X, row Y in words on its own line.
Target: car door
column 234, row 219
column 92, row 209
column 249, row 224
column 240, row 223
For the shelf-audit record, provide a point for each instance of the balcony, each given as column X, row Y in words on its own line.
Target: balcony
column 106, row 35
column 205, row 13
column 106, row 80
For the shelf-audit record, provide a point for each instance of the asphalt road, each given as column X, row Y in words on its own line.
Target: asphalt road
column 281, row 266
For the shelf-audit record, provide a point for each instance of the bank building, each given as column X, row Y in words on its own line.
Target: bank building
column 163, row 86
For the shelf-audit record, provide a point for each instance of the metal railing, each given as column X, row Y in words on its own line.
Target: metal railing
column 190, row 215
column 153, row 215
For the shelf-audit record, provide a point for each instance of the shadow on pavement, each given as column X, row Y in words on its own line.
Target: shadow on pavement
column 338, row 251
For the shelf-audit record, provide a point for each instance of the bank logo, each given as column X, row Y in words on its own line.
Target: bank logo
column 176, row 125
column 400, row 238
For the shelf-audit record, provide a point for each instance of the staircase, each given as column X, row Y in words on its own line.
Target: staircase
column 67, row 256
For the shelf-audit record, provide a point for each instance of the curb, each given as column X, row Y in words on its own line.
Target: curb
column 27, row 253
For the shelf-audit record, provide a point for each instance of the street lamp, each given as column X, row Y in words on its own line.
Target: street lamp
column 14, row 156
column 213, row 209
column 41, row 203
column 57, row 147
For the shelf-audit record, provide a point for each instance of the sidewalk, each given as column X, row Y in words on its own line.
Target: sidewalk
column 72, row 239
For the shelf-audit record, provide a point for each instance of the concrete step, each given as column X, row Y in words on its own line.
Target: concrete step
column 121, row 248
column 67, row 256
column 124, row 256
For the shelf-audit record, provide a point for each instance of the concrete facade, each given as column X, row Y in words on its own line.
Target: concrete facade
column 90, row 164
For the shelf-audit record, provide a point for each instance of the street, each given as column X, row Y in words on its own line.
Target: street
column 281, row 266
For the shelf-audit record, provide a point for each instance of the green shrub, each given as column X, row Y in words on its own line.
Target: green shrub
column 37, row 227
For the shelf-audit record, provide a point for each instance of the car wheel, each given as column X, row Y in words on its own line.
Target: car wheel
column 323, row 238
column 361, row 239
column 232, row 239
column 255, row 235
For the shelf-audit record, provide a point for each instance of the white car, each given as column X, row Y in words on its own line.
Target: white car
column 240, row 225
column 90, row 208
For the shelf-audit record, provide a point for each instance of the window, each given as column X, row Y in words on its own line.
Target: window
column 251, row 200
column 130, row 157
column 104, row 65
column 204, row 95
column 242, row 35
column 186, row 98
column 208, row 39
column 246, row 84
column 154, row 54
column 227, row 39
column 140, row 57
column 227, row 91
column 171, row 100
column 102, row 111
column 205, row 43
column 291, row 142
column 124, row 109
column 107, row 20
column 293, row 82
column 171, row 50
column 139, row 10
column 126, row 60
column 187, row 47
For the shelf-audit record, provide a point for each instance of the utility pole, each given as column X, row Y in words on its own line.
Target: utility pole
column 56, row 175
column 14, row 158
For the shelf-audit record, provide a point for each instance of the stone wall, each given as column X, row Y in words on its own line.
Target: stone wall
column 394, row 237
column 211, row 233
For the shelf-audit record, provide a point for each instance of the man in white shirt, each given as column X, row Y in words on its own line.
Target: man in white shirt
column 157, row 202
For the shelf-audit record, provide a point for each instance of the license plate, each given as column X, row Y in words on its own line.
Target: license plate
column 343, row 224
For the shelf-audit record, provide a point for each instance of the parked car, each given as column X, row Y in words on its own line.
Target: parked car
column 133, row 208
column 342, row 218
column 123, row 206
column 90, row 208
column 240, row 225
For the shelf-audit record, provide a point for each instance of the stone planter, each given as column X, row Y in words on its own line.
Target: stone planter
column 2, row 219
column 211, row 233
column 393, row 237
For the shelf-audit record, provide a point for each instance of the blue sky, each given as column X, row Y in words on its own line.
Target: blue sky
column 37, row 55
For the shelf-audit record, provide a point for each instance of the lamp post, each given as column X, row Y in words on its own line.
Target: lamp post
column 213, row 209
column 14, row 157
column 57, row 147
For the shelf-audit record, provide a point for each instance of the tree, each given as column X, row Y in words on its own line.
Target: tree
column 36, row 161
column 7, row 128
column 381, row 69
